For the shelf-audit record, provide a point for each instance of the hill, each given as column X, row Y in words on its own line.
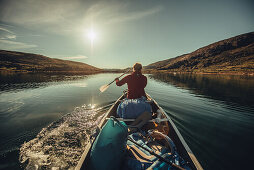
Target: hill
column 26, row 62
column 233, row 55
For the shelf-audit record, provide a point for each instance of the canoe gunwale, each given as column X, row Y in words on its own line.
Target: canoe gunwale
column 185, row 145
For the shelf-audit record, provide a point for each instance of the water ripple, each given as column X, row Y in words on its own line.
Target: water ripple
column 61, row 144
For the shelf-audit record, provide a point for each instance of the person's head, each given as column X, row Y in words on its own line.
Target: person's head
column 137, row 67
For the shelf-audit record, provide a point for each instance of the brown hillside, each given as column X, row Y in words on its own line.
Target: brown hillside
column 231, row 55
column 17, row 61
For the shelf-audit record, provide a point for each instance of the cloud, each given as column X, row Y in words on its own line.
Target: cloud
column 6, row 25
column 11, row 36
column 137, row 15
column 75, row 57
column 64, row 57
column 7, row 42
column 6, row 30
column 13, row 45
column 36, row 11
column 118, row 13
column 51, row 16
column 6, row 34
column 70, row 17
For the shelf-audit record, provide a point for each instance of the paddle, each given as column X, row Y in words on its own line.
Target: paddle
column 105, row 87
column 158, row 156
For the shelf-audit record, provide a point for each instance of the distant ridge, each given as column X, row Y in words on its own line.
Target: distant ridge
column 233, row 55
column 27, row 62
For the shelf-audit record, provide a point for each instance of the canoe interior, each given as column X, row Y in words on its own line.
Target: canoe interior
column 182, row 148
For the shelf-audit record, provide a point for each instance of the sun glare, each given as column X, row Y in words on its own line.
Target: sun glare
column 91, row 35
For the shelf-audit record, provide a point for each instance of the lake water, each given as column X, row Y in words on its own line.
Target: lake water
column 214, row 113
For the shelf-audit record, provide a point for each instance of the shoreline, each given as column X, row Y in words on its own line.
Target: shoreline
column 192, row 72
column 121, row 71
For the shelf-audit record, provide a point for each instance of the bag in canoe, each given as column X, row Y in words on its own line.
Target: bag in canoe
column 108, row 149
column 140, row 158
column 132, row 108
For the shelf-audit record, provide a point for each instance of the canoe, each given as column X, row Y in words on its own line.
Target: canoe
column 173, row 133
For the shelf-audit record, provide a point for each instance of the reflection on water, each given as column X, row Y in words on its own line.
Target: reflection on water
column 226, row 88
column 214, row 113
column 30, row 102
column 19, row 81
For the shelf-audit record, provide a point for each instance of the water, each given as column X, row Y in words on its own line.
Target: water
column 214, row 113
column 45, row 113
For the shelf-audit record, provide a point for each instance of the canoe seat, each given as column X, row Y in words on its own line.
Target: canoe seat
column 157, row 120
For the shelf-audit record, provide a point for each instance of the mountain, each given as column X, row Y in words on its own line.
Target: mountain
column 232, row 55
column 26, row 62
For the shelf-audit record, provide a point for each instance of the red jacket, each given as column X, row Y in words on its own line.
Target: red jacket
column 136, row 83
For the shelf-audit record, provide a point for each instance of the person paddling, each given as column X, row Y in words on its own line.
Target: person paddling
column 135, row 106
column 136, row 82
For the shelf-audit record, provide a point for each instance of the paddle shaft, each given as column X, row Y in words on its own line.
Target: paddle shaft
column 158, row 156
column 119, row 76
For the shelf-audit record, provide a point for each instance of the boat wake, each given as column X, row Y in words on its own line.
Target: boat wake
column 60, row 145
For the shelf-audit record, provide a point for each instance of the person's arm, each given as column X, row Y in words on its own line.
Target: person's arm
column 145, row 82
column 121, row 82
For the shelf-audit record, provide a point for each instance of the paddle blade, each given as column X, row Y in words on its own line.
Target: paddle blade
column 104, row 88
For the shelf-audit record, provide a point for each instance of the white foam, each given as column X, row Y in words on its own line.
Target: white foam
column 60, row 145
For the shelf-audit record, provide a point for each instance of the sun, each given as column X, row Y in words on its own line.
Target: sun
column 91, row 34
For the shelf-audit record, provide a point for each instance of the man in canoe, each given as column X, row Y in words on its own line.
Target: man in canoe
column 136, row 82
column 135, row 105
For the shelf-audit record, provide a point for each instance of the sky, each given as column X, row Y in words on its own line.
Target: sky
column 119, row 33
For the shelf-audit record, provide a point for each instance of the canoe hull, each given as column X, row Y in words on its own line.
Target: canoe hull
column 182, row 147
